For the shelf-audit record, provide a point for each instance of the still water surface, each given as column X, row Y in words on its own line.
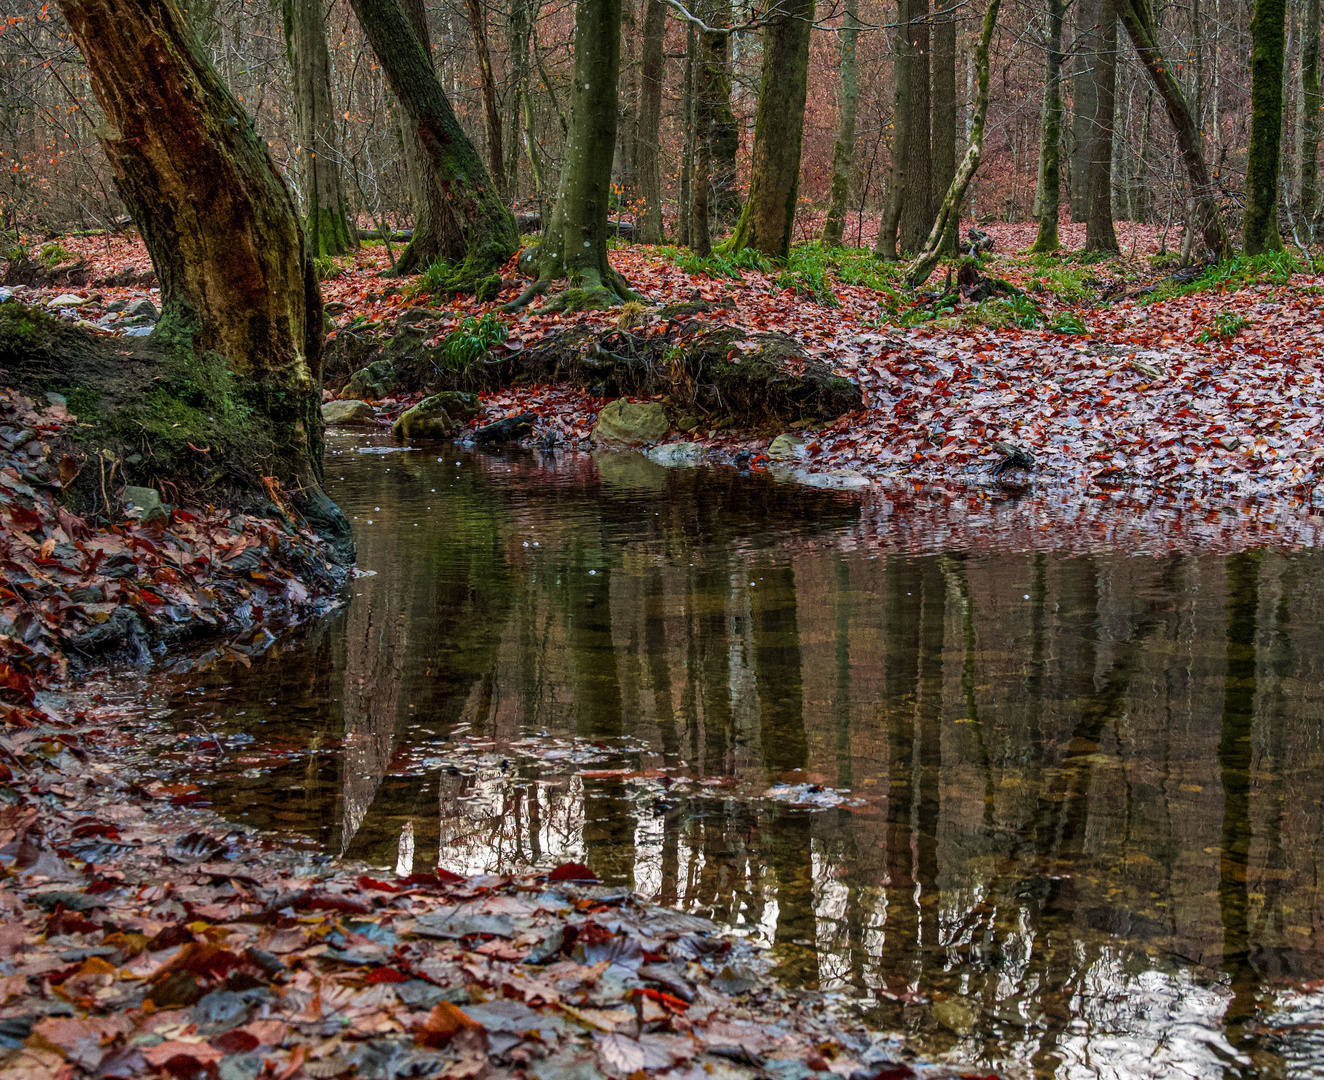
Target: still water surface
column 1056, row 814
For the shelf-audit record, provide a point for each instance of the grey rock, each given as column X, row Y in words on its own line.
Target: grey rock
column 66, row 300
column 347, row 412
column 145, row 504
column 373, row 382
column 631, row 423
column 52, row 398
column 144, row 308
column 138, row 331
column 679, row 454
column 787, row 447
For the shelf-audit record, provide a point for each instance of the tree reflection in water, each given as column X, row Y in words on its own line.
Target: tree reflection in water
column 1083, row 793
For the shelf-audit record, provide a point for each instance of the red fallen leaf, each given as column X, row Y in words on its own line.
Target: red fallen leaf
column 23, row 518
column 64, row 921
column 443, row 1024
column 206, row 960
column 572, row 871
column 170, row 937
column 237, row 1041
column 669, row 1001
column 100, row 886
column 441, row 877
column 183, row 1059
column 385, row 975
column 366, row 882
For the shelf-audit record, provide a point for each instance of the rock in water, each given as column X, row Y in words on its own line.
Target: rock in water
column 429, row 419
column 631, row 423
column 787, row 447
column 347, row 412
column 509, row 430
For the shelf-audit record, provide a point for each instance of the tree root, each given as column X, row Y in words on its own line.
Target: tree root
column 586, row 290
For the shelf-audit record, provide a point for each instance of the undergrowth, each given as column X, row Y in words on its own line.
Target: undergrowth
column 327, row 268
column 1268, row 268
column 471, row 339
column 1227, row 325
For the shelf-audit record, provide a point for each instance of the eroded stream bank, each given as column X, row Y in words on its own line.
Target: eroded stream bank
column 1048, row 811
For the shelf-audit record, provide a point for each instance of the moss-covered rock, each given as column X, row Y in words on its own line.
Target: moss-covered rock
column 426, row 420
column 631, row 423
column 335, row 413
column 372, row 383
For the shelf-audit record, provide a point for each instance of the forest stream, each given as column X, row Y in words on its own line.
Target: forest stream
column 1059, row 814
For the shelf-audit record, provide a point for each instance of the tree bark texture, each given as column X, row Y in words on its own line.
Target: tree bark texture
column 944, row 102
column 948, row 216
column 474, row 230
column 219, row 222
column 647, row 166
column 327, row 221
column 723, row 128
column 487, row 82
column 902, row 75
column 768, row 221
column 1267, row 31
column 1048, row 197
column 1310, row 119
column 573, row 246
column 1141, row 28
column 916, row 183
column 1084, row 105
column 685, row 204
column 843, row 151
column 1099, row 232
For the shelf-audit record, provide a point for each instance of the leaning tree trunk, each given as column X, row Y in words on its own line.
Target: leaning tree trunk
column 1267, row 30
column 475, row 229
column 1099, row 232
column 1311, row 104
column 1049, row 195
column 950, row 210
column 768, row 220
column 487, row 82
column 573, row 246
column 647, row 166
column 237, row 280
column 327, row 224
column 843, row 152
column 1138, row 19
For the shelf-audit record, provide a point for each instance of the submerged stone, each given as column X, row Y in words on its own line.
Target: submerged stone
column 787, row 447
column 426, row 420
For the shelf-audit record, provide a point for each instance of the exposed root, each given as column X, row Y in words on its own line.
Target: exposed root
column 586, row 290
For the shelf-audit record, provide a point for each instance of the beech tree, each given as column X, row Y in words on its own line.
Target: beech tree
column 487, row 82
column 647, row 166
column 328, row 224
column 910, row 197
column 573, row 245
column 468, row 224
column 237, row 281
column 1048, row 194
column 1267, row 32
column 843, row 151
column 1099, row 232
column 768, row 219
column 1311, row 103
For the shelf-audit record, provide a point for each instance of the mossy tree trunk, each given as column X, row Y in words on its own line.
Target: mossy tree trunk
column 723, row 127
column 487, row 83
column 1138, row 19
column 1048, row 197
column 949, row 211
column 843, row 151
column 648, row 168
column 705, row 79
column 1099, row 232
column 471, row 226
column 573, row 246
column 1268, row 28
column 220, row 225
column 907, row 217
column 768, row 219
column 1311, row 103
column 328, row 225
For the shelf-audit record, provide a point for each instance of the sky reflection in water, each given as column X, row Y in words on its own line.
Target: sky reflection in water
column 1065, row 811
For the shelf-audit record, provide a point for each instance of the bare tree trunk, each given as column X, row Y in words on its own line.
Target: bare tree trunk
column 768, row 220
column 647, row 166
column 916, row 189
column 1084, row 105
column 1099, row 232
column 723, row 129
column 903, row 74
column 236, row 278
column 573, row 246
column 1311, row 103
column 469, row 223
column 843, row 151
column 944, row 103
column 1260, row 223
column 685, row 204
column 487, row 82
column 949, row 212
column 327, row 223
column 1048, row 195
column 1138, row 19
